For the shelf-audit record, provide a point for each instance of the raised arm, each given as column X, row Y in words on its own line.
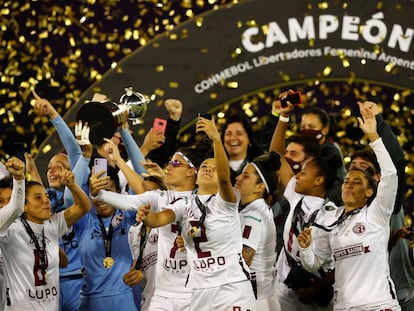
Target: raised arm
column 279, row 140
column 134, row 153
column 394, row 149
column 162, row 154
column 135, row 181
column 43, row 107
column 387, row 187
column 222, row 164
column 14, row 208
column 81, row 204
column 81, row 169
column 31, row 168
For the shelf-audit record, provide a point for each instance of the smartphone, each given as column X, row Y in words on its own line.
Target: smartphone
column 205, row 115
column 294, row 98
column 159, row 125
column 101, row 164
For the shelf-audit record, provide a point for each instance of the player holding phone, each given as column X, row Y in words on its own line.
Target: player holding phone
column 295, row 98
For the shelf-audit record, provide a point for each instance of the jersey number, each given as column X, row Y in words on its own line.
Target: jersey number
column 39, row 271
column 175, row 228
column 199, row 239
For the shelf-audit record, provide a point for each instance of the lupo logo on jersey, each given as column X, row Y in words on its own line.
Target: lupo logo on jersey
column 42, row 294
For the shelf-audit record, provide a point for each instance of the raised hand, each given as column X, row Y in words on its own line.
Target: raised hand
column 112, row 151
column 82, row 136
column 368, row 123
column 285, row 111
column 16, row 168
column 174, row 108
column 97, row 182
column 67, row 177
column 305, row 238
column 43, row 107
column 209, row 127
column 82, row 133
column 371, row 106
column 153, row 169
column 152, row 140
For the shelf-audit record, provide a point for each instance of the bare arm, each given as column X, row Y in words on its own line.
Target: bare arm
column 278, row 144
column 81, row 204
column 248, row 254
column 31, row 168
column 222, row 164
column 155, row 220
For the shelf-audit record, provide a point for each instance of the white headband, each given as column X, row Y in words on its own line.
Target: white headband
column 190, row 164
column 261, row 176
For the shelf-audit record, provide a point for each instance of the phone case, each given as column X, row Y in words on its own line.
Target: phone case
column 159, row 125
column 294, row 98
column 101, row 164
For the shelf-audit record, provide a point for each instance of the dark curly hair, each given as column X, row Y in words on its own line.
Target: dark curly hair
column 327, row 168
column 269, row 164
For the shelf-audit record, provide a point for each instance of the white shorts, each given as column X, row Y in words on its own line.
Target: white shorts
column 229, row 297
column 268, row 304
column 160, row 303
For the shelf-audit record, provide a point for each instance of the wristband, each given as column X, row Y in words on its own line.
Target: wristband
column 284, row 119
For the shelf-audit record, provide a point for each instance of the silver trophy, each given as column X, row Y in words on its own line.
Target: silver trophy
column 106, row 116
column 136, row 104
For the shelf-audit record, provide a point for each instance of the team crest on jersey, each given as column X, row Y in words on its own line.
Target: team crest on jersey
column 116, row 221
column 359, row 229
column 152, row 239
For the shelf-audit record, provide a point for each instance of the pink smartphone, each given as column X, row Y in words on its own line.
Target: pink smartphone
column 159, row 125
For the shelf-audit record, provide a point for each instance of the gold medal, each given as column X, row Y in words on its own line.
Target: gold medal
column 140, row 275
column 192, row 231
column 108, row 262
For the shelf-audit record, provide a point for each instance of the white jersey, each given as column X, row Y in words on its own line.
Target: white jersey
column 259, row 232
column 2, row 284
column 309, row 205
column 215, row 253
column 149, row 260
column 30, row 288
column 172, row 268
column 359, row 246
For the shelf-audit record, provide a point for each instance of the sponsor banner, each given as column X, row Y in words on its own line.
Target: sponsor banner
column 253, row 45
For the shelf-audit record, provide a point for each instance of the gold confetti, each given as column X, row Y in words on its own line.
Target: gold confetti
column 66, row 49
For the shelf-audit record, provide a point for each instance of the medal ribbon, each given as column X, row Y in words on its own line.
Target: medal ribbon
column 142, row 243
column 107, row 237
column 40, row 250
column 340, row 220
column 202, row 207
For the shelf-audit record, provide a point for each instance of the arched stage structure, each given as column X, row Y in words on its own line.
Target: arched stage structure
column 263, row 46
